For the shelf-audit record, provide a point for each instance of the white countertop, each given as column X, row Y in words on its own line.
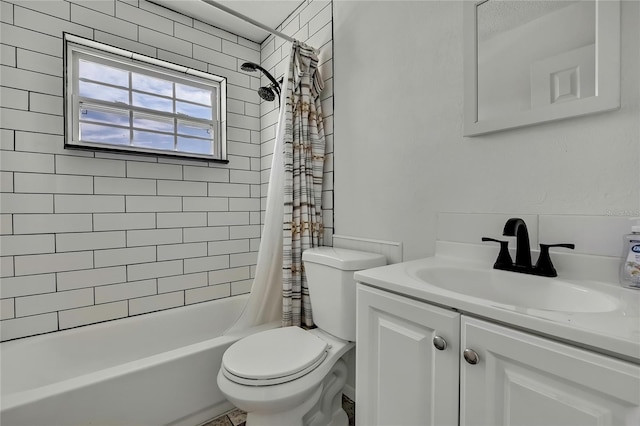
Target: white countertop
column 615, row 333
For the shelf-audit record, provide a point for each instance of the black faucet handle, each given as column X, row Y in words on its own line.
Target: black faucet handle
column 504, row 258
column 565, row 245
column 493, row 239
column 544, row 267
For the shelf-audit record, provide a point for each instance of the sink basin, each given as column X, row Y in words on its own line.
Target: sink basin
column 521, row 290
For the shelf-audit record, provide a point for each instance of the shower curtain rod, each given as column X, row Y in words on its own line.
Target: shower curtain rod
column 247, row 19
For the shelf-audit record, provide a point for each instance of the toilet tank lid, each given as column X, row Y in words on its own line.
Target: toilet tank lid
column 343, row 259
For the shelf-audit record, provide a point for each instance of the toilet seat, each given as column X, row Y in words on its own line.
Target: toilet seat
column 274, row 356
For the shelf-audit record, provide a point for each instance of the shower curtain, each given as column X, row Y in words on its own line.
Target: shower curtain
column 265, row 301
column 292, row 223
column 304, row 148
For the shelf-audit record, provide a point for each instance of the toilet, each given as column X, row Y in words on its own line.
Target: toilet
column 291, row 376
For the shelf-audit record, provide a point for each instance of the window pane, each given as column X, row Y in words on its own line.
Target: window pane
column 153, row 140
column 146, row 83
column 196, row 146
column 153, row 123
column 141, row 105
column 193, row 94
column 103, row 73
column 104, row 115
column 103, row 134
column 152, row 102
column 195, row 129
column 193, row 110
column 103, row 93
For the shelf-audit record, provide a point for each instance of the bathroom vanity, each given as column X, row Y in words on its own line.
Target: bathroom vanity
column 447, row 340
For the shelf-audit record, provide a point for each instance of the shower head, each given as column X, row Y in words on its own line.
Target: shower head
column 250, row 67
column 266, row 93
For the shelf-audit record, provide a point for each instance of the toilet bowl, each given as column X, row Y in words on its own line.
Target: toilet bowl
column 285, row 399
column 290, row 376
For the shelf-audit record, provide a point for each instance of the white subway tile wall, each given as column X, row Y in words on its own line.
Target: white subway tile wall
column 96, row 236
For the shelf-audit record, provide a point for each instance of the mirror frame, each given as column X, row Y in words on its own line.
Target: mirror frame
column 607, row 75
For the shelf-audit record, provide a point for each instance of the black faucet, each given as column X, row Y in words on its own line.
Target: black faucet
column 515, row 227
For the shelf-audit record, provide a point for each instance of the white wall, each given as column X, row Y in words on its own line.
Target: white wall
column 400, row 157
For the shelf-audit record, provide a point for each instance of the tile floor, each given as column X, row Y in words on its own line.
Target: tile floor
column 232, row 418
column 238, row 418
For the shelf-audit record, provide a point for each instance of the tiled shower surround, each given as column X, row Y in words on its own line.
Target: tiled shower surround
column 94, row 236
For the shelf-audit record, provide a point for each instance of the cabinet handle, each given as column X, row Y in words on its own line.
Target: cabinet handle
column 471, row 356
column 439, row 343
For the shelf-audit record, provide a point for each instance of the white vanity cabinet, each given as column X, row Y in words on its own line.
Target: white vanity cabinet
column 523, row 379
column 519, row 378
column 401, row 378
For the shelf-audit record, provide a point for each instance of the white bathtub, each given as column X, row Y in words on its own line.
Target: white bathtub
column 154, row 369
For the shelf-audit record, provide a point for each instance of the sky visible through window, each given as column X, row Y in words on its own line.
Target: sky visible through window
column 123, row 107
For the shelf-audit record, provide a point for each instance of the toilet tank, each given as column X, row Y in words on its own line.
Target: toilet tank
column 332, row 289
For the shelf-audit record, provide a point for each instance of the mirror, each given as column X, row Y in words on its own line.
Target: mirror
column 531, row 61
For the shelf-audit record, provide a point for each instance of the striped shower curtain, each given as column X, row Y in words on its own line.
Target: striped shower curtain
column 304, row 149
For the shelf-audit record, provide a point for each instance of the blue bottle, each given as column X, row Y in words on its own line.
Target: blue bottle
column 630, row 266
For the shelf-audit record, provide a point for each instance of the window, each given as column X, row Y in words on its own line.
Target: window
column 121, row 100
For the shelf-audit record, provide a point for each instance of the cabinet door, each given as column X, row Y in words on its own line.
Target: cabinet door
column 401, row 378
column 522, row 379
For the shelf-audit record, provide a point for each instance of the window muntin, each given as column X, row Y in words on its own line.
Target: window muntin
column 118, row 102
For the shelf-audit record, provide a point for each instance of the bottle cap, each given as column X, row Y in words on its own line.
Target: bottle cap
column 635, row 228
